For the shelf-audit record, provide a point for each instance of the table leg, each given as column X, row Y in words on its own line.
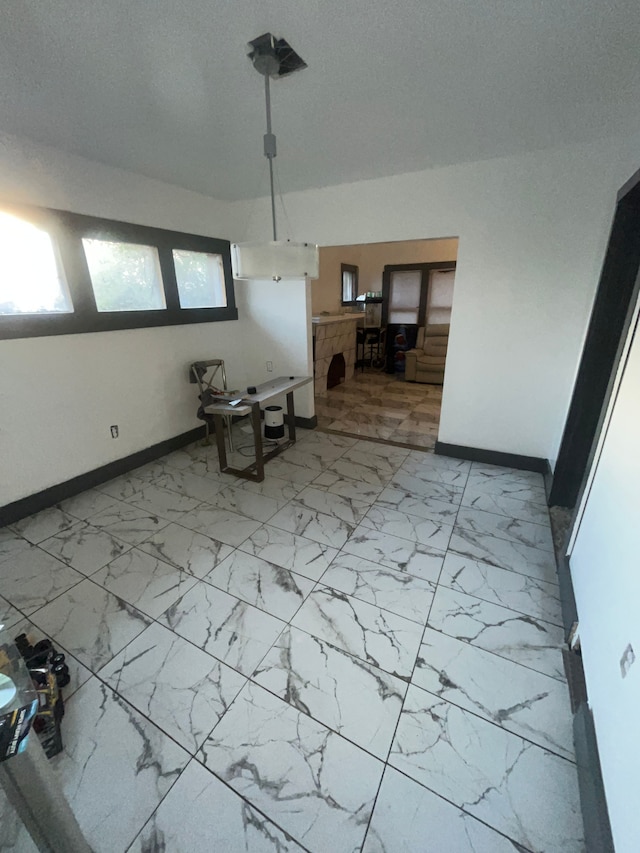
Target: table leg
column 222, row 452
column 257, row 439
column 291, row 416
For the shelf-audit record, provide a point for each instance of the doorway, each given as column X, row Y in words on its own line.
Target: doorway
column 606, row 335
column 596, row 384
column 399, row 288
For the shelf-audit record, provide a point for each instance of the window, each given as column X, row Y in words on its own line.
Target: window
column 440, row 300
column 124, row 276
column 31, row 280
column 404, row 296
column 413, row 292
column 62, row 273
column 200, row 278
column 349, row 283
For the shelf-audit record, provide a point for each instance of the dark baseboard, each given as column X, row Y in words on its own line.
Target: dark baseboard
column 574, row 672
column 548, row 479
column 595, row 815
column 567, row 598
column 304, row 423
column 492, row 457
column 54, row 494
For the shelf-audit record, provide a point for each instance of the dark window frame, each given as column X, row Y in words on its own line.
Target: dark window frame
column 425, row 269
column 67, row 230
column 355, row 272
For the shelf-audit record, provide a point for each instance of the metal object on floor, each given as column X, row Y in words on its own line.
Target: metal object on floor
column 34, row 791
column 29, row 782
column 370, row 347
column 251, row 406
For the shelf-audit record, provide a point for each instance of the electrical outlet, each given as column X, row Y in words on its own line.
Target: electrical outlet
column 115, row 432
column 269, row 367
column 628, row 657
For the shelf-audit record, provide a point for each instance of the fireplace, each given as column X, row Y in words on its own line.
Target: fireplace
column 333, row 336
column 337, row 371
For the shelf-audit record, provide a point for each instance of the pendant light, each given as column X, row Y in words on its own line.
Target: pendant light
column 277, row 259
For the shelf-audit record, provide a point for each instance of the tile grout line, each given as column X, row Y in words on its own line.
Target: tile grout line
column 497, row 566
column 500, row 604
column 315, row 587
column 518, row 846
column 395, row 731
column 398, row 722
column 493, row 723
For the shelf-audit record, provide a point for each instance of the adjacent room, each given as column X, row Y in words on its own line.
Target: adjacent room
column 318, row 410
column 381, row 320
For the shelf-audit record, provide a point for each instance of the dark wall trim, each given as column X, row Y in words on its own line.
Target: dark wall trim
column 615, row 299
column 356, row 284
column 304, row 423
column 567, row 597
column 492, row 457
column 67, row 230
column 50, row 325
column 425, row 267
column 574, row 673
column 54, row 494
column 595, row 815
column 548, row 479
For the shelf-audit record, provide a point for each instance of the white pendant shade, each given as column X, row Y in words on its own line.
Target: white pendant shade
column 274, row 260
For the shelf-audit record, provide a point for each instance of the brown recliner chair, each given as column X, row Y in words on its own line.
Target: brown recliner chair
column 426, row 362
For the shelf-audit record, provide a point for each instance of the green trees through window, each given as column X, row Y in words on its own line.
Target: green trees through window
column 200, row 278
column 67, row 273
column 124, row 276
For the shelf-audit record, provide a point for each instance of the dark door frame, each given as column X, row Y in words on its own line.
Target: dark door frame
column 610, row 318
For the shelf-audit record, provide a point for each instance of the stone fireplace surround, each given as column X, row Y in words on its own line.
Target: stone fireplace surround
column 332, row 335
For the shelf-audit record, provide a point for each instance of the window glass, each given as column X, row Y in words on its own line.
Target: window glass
column 200, row 278
column 440, row 296
column 404, row 296
column 31, row 280
column 349, row 283
column 124, row 276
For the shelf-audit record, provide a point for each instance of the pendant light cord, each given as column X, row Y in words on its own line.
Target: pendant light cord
column 270, row 152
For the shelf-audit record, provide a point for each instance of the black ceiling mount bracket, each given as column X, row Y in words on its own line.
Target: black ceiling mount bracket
column 274, row 57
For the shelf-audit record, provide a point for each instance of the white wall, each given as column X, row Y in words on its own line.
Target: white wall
column 606, row 580
column 532, row 233
column 59, row 395
column 279, row 316
column 38, row 174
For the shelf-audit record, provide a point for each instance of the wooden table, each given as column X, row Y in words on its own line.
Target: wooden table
column 250, row 405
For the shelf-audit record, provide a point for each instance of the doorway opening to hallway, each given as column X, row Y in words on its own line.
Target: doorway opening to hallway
column 392, row 335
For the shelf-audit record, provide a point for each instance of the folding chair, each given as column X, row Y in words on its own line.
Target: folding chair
column 204, row 373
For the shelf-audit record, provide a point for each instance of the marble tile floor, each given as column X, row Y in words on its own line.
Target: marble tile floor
column 381, row 406
column 362, row 653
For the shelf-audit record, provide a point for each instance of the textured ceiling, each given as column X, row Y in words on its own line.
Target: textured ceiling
column 163, row 87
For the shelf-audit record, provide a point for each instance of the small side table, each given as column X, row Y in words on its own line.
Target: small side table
column 251, row 406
